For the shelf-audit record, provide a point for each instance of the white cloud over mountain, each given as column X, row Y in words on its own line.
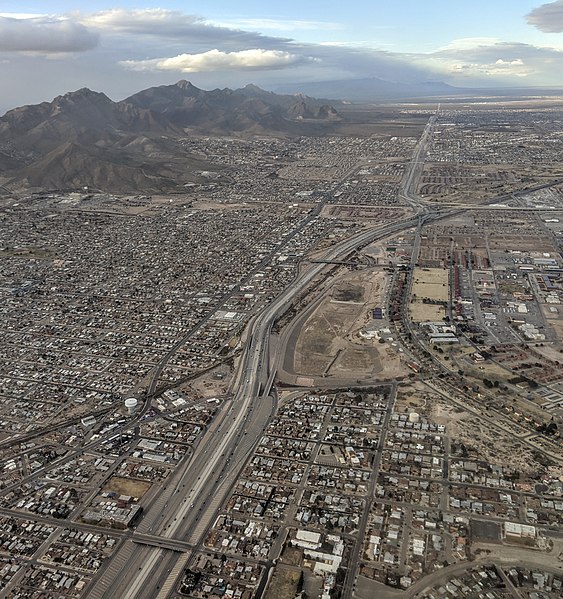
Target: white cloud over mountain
column 120, row 51
column 215, row 60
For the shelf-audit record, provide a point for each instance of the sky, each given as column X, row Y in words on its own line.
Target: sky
column 49, row 47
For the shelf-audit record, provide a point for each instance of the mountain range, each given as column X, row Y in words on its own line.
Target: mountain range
column 84, row 139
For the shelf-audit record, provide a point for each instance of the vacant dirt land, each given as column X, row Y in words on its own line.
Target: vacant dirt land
column 555, row 320
column 368, row 589
column 284, row 583
column 553, row 351
column 127, row 486
column 329, row 344
column 518, row 555
column 211, row 384
column 430, row 287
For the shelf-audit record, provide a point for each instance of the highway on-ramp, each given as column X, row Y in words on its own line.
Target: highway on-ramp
column 200, row 485
column 189, row 505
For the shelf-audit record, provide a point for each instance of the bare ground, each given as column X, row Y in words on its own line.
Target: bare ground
column 329, row 344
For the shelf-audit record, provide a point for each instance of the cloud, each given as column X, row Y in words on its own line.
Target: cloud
column 499, row 68
column 159, row 39
column 484, row 61
column 21, row 15
column 215, row 60
column 548, row 17
column 172, row 25
column 149, row 21
column 469, row 43
column 43, row 34
column 281, row 25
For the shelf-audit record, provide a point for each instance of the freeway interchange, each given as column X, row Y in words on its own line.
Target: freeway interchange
column 187, row 507
column 176, row 523
column 149, row 560
column 202, row 500
column 190, row 502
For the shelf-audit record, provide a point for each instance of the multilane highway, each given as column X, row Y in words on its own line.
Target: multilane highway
column 150, row 560
column 188, row 506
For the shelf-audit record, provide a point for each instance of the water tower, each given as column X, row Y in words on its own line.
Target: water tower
column 131, row 404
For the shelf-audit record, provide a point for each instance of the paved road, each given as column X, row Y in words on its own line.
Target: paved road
column 189, row 505
column 185, row 511
column 199, row 487
column 356, row 553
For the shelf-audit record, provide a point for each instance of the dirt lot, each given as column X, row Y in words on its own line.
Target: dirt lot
column 555, row 321
column 369, row 589
column 430, row 284
column 211, row 384
column 483, row 370
column 284, row 583
column 552, row 351
column 329, row 344
column 492, row 444
column 509, row 554
column 523, row 243
column 426, row 312
column 127, row 486
column 322, row 337
column 357, row 357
